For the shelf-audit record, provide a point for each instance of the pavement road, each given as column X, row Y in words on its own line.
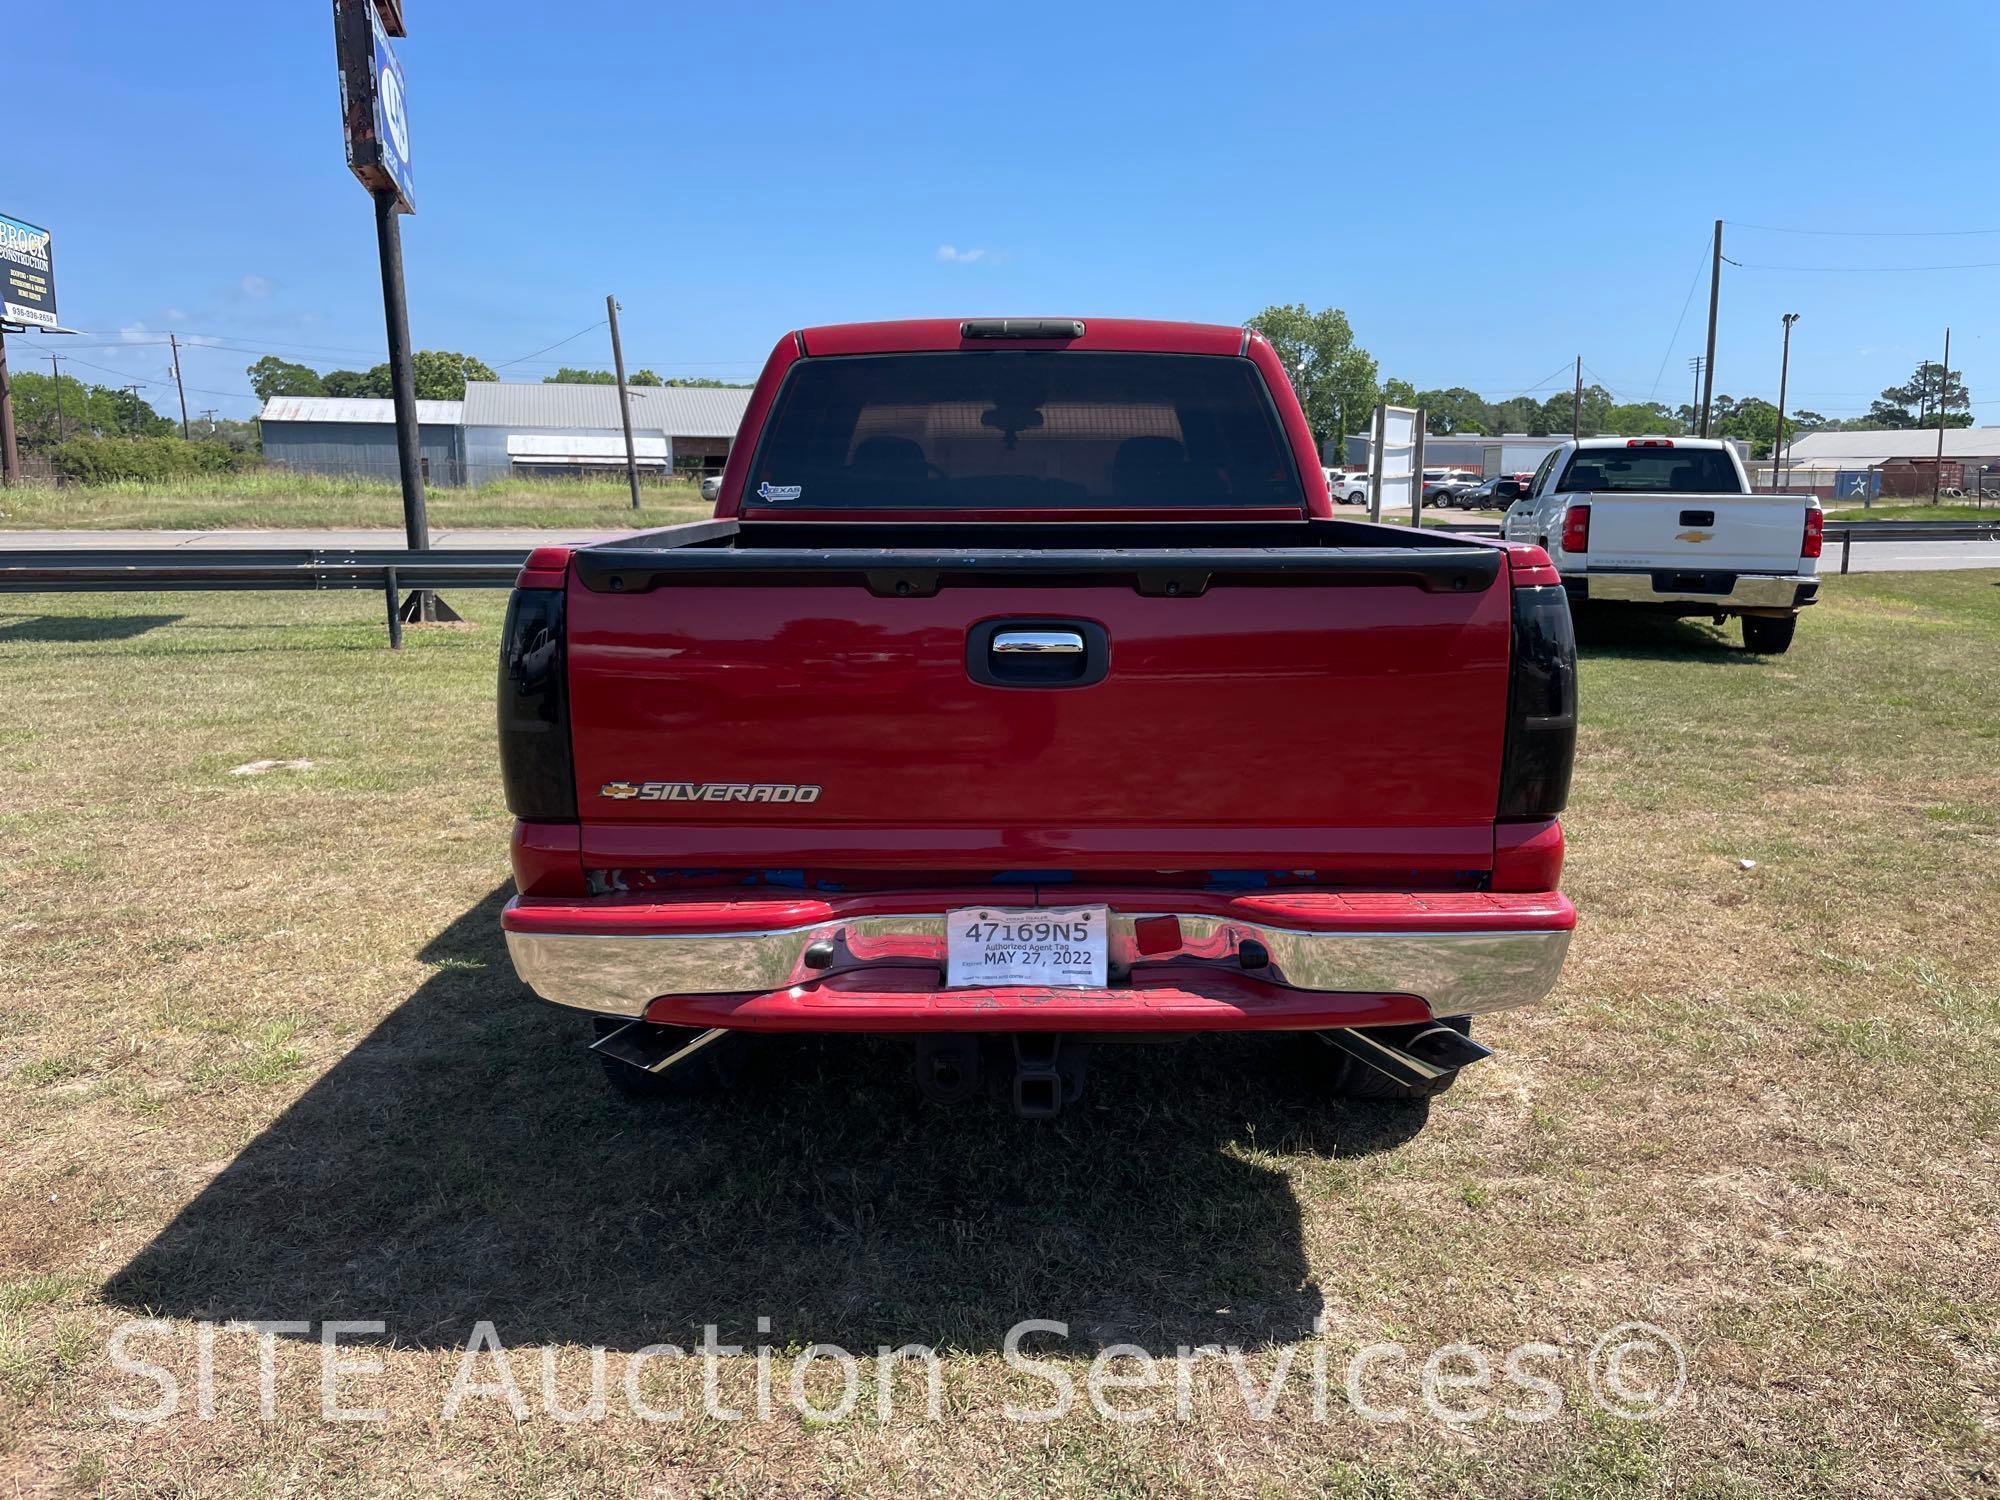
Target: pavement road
column 1916, row 555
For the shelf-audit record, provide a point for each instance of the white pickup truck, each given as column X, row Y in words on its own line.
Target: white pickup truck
column 1671, row 524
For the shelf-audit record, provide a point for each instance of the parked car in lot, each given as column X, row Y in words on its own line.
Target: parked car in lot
column 1443, row 486
column 1348, row 486
column 1671, row 524
column 1490, row 494
column 993, row 708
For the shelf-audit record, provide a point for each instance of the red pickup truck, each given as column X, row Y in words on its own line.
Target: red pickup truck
column 1024, row 694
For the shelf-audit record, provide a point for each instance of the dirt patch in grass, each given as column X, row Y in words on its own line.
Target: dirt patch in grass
column 262, row 1058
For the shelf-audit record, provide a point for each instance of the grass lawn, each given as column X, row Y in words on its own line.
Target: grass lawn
column 1989, row 513
column 269, row 499
column 262, row 1057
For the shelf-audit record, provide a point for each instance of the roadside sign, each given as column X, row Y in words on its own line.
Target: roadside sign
column 1857, row 484
column 27, row 275
column 374, row 103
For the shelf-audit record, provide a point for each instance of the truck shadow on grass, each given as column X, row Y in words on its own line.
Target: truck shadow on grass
column 1636, row 635
column 466, row 1161
column 78, row 629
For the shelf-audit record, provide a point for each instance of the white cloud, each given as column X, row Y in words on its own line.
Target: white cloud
column 175, row 315
column 256, row 287
column 135, row 333
column 962, row 257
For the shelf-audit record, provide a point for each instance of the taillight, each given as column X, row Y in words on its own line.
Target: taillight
column 1541, row 706
column 1576, row 529
column 535, row 766
column 1815, row 536
column 1650, row 443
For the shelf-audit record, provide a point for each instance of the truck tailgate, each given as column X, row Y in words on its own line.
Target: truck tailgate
column 1722, row 533
column 1340, row 725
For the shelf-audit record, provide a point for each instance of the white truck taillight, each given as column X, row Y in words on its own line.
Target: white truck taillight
column 1576, row 529
column 1815, row 534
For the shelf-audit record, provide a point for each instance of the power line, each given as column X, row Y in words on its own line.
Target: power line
column 1673, row 338
column 556, row 345
column 1864, row 234
column 1968, row 265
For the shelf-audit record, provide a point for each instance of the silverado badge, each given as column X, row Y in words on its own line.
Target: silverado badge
column 708, row 791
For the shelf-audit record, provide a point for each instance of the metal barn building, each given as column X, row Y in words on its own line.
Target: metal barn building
column 501, row 430
column 575, row 429
column 351, row 435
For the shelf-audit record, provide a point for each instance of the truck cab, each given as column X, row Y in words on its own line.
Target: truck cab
column 1670, row 524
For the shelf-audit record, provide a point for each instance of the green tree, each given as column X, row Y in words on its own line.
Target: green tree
column 1398, row 393
column 442, row 374
column 1336, row 378
column 569, row 376
column 362, row 383
column 1917, row 401
column 1516, row 414
column 704, row 383
column 41, row 420
column 1455, row 412
column 1753, row 418
column 1639, row 418
column 272, row 376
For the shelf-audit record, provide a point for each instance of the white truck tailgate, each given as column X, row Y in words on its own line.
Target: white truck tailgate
column 1723, row 533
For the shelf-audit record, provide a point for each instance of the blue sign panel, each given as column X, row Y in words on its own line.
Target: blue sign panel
column 392, row 118
column 374, row 105
column 1857, row 484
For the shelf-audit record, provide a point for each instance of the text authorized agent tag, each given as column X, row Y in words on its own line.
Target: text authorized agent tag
column 996, row 946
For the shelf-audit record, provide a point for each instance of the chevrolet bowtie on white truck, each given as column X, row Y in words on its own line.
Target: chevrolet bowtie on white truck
column 1671, row 524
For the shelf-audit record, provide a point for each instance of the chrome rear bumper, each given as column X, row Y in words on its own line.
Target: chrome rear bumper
column 1744, row 591
column 1453, row 972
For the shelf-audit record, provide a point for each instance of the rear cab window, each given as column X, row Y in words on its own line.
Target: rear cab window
column 1027, row 429
column 1651, row 471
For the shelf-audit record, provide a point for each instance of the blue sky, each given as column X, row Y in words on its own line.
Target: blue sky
column 1487, row 189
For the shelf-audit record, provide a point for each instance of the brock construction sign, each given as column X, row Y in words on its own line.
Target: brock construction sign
column 27, row 275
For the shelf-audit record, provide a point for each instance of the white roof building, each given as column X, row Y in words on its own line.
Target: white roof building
column 1863, row 450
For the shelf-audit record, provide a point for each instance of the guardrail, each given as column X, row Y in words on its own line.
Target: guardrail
column 85, row 570
column 60, row 570
column 1846, row 533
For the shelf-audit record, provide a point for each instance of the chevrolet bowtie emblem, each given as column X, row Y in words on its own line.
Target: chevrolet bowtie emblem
column 1695, row 536
column 618, row 789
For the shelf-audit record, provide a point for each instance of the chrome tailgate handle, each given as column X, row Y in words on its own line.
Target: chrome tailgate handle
column 1037, row 653
column 1038, row 643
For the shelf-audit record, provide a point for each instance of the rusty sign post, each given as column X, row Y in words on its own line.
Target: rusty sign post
column 374, row 114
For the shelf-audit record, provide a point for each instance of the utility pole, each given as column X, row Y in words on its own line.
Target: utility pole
column 10, row 455
column 1694, row 404
column 1944, row 386
column 56, row 373
column 1714, row 302
column 1576, row 406
column 175, row 342
column 402, row 380
column 209, row 417
column 1784, row 369
column 624, row 399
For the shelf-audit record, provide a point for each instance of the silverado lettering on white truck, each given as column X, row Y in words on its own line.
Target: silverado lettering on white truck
column 1124, row 736
column 1671, row 524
